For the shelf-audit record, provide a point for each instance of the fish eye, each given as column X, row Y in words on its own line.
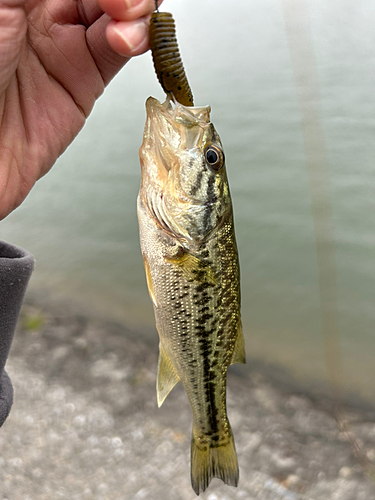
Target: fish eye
column 214, row 157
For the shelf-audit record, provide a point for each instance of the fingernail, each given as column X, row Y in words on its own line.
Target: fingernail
column 131, row 3
column 133, row 34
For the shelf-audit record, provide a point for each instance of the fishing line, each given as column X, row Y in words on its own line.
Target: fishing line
column 298, row 31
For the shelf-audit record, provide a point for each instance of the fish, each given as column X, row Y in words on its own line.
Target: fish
column 191, row 263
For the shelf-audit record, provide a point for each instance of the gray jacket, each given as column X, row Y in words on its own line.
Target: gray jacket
column 16, row 266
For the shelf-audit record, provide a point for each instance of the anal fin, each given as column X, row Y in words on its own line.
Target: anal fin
column 239, row 347
column 167, row 377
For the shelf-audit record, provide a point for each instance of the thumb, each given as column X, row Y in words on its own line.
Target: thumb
column 13, row 27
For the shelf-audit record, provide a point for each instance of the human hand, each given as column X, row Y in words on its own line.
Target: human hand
column 56, row 57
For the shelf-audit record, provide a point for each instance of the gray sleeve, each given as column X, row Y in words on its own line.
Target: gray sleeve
column 16, row 266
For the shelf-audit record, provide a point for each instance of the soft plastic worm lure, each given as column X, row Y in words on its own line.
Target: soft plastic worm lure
column 167, row 60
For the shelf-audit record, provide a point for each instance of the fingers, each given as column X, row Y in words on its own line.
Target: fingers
column 128, row 38
column 127, row 10
column 107, row 60
column 88, row 11
column 127, row 32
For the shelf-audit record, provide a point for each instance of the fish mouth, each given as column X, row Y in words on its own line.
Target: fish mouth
column 173, row 110
column 172, row 130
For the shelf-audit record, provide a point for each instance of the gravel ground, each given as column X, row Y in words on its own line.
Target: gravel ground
column 85, row 425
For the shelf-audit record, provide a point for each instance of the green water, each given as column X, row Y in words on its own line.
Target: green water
column 80, row 220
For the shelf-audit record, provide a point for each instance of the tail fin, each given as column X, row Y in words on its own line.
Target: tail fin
column 213, row 460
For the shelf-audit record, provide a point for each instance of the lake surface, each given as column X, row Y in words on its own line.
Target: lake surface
column 80, row 220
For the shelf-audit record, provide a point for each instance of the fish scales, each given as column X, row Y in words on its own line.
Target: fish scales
column 191, row 262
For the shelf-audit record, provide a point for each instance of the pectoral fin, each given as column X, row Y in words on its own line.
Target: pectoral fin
column 192, row 267
column 149, row 280
column 239, row 347
column 167, row 377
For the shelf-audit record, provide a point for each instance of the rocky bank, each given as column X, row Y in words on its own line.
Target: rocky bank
column 85, row 424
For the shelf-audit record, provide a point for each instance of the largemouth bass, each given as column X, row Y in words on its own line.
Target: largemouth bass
column 191, row 263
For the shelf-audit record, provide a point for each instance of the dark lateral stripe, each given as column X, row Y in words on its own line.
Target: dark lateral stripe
column 211, row 195
column 211, row 198
column 198, row 182
column 204, row 330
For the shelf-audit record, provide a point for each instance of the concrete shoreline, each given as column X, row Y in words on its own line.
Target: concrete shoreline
column 85, row 424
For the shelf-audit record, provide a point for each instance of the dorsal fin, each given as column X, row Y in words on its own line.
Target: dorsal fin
column 167, row 377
